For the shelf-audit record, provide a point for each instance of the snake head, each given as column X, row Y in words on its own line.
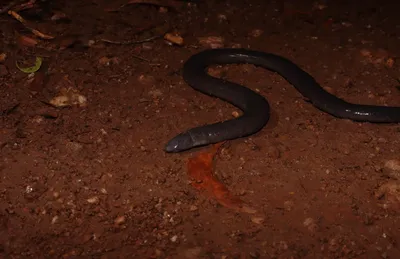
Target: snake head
column 179, row 143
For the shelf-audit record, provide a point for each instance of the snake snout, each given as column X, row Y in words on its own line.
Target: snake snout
column 179, row 143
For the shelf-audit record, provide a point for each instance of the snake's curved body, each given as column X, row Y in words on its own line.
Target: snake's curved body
column 256, row 110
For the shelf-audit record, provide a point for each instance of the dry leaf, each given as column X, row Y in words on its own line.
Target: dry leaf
column 34, row 31
column 3, row 57
column 27, row 41
column 68, row 97
column 175, row 39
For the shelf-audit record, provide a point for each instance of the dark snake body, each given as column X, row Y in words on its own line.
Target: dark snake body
column 256, row 110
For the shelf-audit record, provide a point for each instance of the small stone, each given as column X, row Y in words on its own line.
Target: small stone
column 155, row 93
column 236, row 46
column 235, row 114
column 257, row 220
column 120, row 220
column 54, row 219
column 389, row 193
column 193, row 208
column 174, row 239
column 104, row 61
column 393, row 165
column 393, row 169
column 56, row 195
column 389, row 63
column 93, row 200
column 310, row 224
column 256, row 33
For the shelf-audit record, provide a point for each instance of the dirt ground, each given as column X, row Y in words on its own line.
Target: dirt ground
column 91, row 180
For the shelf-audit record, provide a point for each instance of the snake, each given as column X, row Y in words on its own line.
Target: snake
column 255, row 108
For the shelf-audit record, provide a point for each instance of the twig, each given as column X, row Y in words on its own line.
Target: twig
column 130, row 42
column 140, row 58
column 171, row 4
column 9, row 110
column 34, row 31
column 24, row 6
column 21, row 7
column 8, row 6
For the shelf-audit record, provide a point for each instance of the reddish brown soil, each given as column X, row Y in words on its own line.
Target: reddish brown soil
column 94, row 181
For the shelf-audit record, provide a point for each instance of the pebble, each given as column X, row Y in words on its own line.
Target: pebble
column 104, row 61
column 155, row 93
column 390, row 192
column 235, row 114
column 393, row 168
column 236, row 46
column 256, row 33
column 193, row 208
column 120, row 220
column 56, row 195
column 93, row 200
column 310, row 224
column 54, row 219
column 174, row 238
column 257, row 220
column 393, row 165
